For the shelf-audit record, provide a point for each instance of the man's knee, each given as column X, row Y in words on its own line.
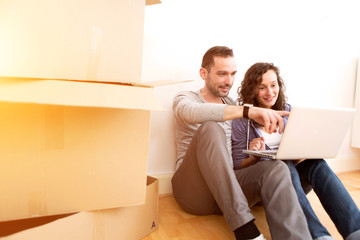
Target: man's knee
column 209, row 126
column 277, row 171
column 211, row 129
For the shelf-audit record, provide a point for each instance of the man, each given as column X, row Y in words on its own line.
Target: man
column 205, row 182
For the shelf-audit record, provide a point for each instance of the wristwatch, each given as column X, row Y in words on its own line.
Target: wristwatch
column 246, row 108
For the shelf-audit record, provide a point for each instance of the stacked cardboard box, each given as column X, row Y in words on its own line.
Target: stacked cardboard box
column 130, row 223
column 75, row 119
column 60, row 158
column 82, row 40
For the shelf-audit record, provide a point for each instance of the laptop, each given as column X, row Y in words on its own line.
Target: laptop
column 311, row 133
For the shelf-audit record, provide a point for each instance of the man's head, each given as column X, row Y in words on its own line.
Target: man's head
column 217, row 51
column 218, row 70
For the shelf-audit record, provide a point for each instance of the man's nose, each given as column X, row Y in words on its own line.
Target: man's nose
column 229, row 78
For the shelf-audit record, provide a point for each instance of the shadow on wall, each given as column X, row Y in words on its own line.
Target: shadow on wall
column 162, row 148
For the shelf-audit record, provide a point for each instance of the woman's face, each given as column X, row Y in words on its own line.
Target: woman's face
column 268, row 90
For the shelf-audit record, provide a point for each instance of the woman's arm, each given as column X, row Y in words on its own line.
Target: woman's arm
column 251, row 160
column 239, row 143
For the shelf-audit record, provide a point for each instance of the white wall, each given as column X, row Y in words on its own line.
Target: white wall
column 315, row 44
column 355, row 140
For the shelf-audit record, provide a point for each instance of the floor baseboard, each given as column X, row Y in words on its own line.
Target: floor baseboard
column 344, row 164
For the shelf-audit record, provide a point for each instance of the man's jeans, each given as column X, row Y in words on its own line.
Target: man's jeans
column 316, row 174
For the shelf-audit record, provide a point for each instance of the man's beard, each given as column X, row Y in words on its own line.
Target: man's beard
column 218, row 93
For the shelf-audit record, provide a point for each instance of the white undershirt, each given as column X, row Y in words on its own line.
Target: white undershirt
column 272, row 140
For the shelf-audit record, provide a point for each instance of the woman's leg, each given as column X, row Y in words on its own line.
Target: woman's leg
column 317, row 230
column 333, row 196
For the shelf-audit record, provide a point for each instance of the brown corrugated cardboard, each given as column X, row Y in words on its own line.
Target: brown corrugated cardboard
column 72, row 145
column 130, row 223
column 79, row 39
column 59, row 159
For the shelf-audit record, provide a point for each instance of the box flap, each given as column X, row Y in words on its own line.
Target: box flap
column 148, row 84
column 78, row 93
column 159, row 83
column 151, row 2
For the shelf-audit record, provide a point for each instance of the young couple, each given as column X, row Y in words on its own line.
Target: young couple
column 213, row 176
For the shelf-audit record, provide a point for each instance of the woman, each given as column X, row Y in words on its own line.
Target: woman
column 262, row 86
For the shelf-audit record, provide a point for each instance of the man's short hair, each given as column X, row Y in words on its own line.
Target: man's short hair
column 217, row 51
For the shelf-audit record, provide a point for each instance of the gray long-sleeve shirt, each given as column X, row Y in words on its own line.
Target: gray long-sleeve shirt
column 190, row 111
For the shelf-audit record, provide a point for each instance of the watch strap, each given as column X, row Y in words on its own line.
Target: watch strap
column 246, row 108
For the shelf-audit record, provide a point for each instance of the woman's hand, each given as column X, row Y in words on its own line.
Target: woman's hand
column 257, row 144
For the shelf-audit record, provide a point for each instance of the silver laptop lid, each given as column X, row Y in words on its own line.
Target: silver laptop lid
column 314, row 132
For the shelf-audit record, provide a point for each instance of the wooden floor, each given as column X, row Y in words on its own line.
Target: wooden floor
column 176, row 224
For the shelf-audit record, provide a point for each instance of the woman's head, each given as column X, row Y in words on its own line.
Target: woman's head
column 262, row 86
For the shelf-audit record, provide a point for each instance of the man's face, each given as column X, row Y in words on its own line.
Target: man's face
column 221, row 76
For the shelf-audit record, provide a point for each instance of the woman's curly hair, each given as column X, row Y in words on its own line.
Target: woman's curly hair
column 248, row 89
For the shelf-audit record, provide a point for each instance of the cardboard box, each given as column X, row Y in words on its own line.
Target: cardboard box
column 83, row 148
column 151, row 2
column 79, row 39
column 79, row 93
column 130, row 223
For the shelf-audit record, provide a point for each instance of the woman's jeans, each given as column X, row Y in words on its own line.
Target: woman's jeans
column 335, row 199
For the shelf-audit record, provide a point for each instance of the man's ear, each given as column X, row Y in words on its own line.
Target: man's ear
column 203, row 73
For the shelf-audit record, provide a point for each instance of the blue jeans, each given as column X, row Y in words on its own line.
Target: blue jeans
column 316, row 174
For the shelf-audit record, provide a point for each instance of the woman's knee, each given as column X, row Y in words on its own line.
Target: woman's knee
column 314, row 167
column 321, row 163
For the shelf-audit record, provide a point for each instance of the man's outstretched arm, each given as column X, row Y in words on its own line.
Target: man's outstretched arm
column 269, row 118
